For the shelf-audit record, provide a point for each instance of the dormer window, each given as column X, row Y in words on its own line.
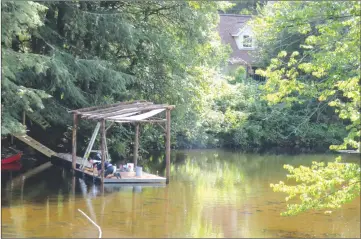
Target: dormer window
column 244, row 38
column 247, row 41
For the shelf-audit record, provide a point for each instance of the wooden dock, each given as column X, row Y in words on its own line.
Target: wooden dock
column 126, row 177
column 36, row 145
column 67, row 158
column 348, row 151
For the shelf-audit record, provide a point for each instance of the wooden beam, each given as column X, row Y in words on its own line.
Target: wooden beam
column 96, row 116
column 121, row 112
column 75, row 125
column 139, row 121
column 90, row 146
column 36, row 145
column 118, row 113
column 118, row 108
column 167, row 147
column 136, row 145
column 170, row 107
column 111, row 124
column 142, row 116
column 102, row 148
column 104, row 106
column 160, row 125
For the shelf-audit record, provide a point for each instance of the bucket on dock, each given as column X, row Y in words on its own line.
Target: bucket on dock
column 138, row 171
column 130, row 167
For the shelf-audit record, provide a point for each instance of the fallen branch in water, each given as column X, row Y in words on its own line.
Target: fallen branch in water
column 99, row 229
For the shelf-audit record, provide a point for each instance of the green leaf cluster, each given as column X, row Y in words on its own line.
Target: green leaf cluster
column 314, row 49
column 320, row 186
column 65, row 55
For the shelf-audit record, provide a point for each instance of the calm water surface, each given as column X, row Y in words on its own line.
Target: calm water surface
column 212, row 194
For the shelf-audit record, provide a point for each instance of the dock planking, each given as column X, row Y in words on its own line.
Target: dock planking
column 68, row 158
column 348, row 151
column 126, row 177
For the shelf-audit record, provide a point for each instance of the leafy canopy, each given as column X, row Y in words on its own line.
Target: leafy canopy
column 324, row 64
column 66, row 55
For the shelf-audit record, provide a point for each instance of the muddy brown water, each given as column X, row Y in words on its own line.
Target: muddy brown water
column 212, row 193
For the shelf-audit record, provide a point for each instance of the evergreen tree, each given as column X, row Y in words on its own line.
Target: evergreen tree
column 76, row 54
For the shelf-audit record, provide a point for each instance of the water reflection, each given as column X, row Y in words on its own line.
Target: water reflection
column 211, row 194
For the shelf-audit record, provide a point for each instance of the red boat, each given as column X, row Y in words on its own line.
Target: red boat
column 11, row 167
column 11, row 159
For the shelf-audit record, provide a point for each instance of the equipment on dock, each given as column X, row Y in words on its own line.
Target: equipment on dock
column 138, row 171
column 90, row 145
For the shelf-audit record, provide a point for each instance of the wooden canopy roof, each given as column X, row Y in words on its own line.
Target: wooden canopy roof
column 123, row 112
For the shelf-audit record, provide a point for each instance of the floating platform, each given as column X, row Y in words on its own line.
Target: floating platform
column 65, row 160
column 348, row 151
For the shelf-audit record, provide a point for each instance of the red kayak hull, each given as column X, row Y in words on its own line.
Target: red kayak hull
column 11, row 167
column 11, row 159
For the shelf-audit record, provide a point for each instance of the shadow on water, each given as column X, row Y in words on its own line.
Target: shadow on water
column 212, row 193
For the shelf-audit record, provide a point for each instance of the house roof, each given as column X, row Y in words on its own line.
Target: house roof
column 229, row 26
column 124, row 112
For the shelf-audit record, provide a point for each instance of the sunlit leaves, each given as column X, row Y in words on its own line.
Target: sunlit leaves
column 320, row 186
column 335, row 44
column 328, row 70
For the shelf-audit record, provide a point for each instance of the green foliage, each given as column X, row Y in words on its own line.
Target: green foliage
column 327, row 68
column 322, row 64
column 245, row 7
column 239, row 118
column 19, row 19
column 92, row 53
column 239, row 75
column 320, row 186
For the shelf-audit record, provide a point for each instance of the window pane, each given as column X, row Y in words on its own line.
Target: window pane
column 247, row 41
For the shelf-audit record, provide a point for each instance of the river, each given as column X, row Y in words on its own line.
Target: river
column 212, row 193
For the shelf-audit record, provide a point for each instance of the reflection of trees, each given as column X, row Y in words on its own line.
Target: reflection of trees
column 216, row 181
column 222, row 182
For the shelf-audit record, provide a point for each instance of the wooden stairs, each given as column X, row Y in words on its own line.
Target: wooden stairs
column 38, row 119
column 36, row 145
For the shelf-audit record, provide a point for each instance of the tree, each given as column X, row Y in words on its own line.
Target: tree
column 245, row 7
column 324, row 65
column 92, row 53
column 19, row 19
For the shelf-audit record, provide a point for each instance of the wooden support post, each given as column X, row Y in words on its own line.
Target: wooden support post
column 102, row 148
column 75, row 125
column 167, row 146
column 136, row 145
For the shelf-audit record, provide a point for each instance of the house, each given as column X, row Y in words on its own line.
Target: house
column 236, row 31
